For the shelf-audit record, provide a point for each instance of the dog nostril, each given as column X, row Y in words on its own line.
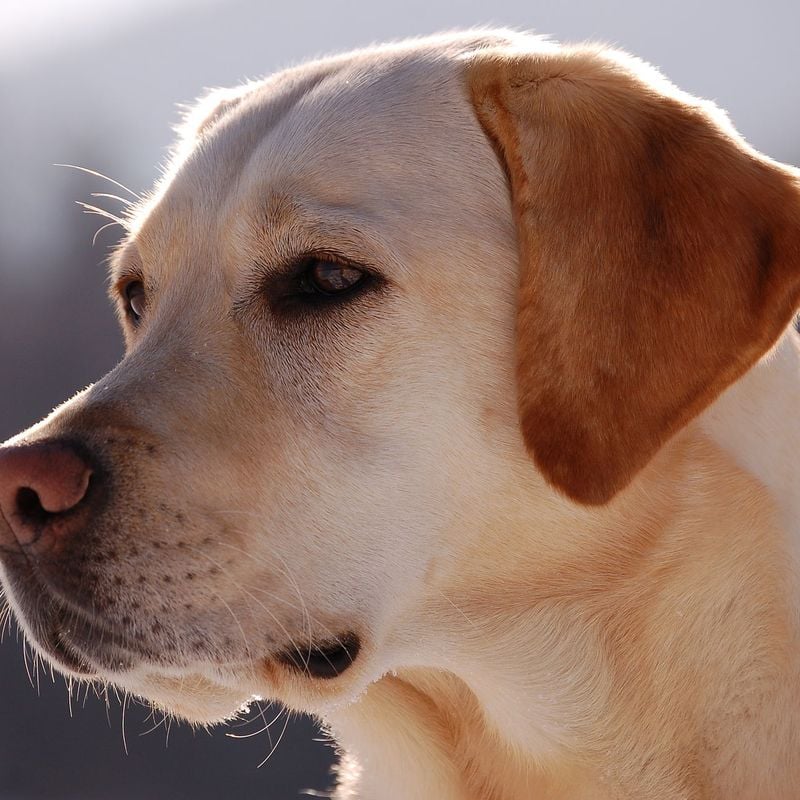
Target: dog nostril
column 40, row 485
column 30, row 508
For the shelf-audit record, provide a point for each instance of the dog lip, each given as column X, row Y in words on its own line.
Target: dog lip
column 66, row 653
column 74, row 640
column 84, row 645
column 326, row 660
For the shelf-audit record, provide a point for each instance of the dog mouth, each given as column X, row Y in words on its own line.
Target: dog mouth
column 56, row 642
column 86, row 647
column 75, row 644
column 78, row 644
column 326, row 660
column 73, row 640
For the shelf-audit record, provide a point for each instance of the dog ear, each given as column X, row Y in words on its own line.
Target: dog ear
column 659, row 255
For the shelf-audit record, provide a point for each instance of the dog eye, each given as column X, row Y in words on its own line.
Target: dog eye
column 135, row 300
column 314, row 282
column 330, row 278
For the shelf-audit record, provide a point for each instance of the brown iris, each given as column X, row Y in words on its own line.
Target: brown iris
column 330, row 278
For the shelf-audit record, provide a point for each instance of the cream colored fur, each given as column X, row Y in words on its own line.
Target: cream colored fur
column 369, row 474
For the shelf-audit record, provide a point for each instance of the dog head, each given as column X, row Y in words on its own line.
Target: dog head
column 377, row 305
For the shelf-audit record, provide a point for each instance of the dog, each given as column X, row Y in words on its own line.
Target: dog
column 458, row 409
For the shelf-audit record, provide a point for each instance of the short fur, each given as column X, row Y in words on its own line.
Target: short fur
column 577, row 261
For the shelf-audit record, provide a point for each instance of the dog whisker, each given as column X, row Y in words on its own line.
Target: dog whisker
column 97, row 174
column 101, row 229
column 311, row 621
column 26, row 659
column 123, row 200
column 471, row 622
column 125, row 698
column 275, row 618
column 266, row 727
column 280, row 739
column 88, row 208
column 284, row 567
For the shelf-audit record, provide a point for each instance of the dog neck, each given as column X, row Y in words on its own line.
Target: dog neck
column 756, row 422
column 649, row 635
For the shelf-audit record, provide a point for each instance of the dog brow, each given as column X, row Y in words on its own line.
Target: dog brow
column 119, row 260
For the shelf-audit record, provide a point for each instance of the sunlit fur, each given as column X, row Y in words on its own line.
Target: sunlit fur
column 283, row 480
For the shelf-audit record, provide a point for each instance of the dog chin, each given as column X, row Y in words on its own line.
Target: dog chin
column 193, row 697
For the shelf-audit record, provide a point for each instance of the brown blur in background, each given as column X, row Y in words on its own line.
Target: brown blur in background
column 95, row 83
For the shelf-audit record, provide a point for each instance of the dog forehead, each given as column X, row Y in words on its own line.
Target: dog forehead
column 388, row 132
column 360, row 131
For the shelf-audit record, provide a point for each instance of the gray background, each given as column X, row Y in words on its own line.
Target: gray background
column 96, row 84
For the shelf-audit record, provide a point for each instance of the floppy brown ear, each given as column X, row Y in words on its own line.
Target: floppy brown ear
column 659, row 255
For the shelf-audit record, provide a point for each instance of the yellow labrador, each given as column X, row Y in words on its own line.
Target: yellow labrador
column 459, row 409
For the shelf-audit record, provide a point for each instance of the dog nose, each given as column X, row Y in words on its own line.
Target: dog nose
column 40, row 484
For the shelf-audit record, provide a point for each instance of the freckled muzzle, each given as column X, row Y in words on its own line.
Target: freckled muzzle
column 77, row 642
column 63, row 555
column 99, row 586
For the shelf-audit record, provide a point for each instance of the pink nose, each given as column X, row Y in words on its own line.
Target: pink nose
column 39, row 484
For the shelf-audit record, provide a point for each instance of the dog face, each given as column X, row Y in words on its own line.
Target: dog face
column 277, row 462
column 327, row 345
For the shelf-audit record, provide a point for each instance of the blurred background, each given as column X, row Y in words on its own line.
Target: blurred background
column 96, row 83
